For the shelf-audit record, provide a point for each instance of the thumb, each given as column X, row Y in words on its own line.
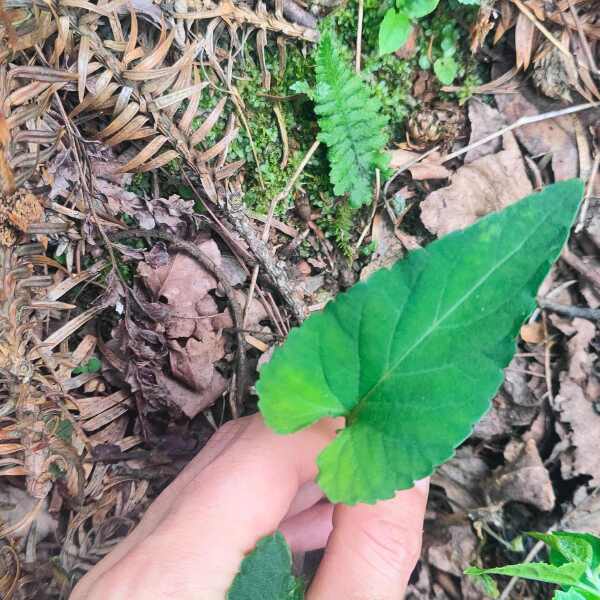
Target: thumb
column 372, row 549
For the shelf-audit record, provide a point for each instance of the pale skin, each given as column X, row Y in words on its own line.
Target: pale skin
column 244, row 484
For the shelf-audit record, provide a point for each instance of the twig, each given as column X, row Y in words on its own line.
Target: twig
column 529, row 558
column 548, row 343
column 209, row 264
column 588, row 193
column 590, row 272
column 267, row 227
column 553, row 114
column 527, row 12
column 359, row 29
column 372, row 216
column 574, row 312
column 585, row 44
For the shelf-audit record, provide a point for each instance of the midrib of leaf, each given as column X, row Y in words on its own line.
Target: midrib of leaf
column 352, row 416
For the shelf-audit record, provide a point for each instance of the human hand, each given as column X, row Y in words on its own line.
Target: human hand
column 244, row 484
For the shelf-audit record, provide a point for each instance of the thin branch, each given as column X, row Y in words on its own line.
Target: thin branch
column 274, row 202
column 573, row 312
column 588, row 193
column 553, row 114
column 372, row 216
column 359, row 30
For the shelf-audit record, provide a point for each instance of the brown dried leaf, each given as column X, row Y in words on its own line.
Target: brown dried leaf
column 484, row 121
column 525, row 35
column 83, row 61
column 193, row 365
column 555, row 136
column 461, row 478
column 190, row 401
column 122, row 119
column 144, row 155
column 487, row 184
column 579, row 420
column 208, row 123
column 523, row 479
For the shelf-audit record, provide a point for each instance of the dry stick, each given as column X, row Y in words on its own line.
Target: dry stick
column 210, row 265
column 553, row 114
column 276, row 199
column 588, row 193
column 541, row 27
column 359, row 28
column 586, row 46
column 574, row 312
column 372, row 216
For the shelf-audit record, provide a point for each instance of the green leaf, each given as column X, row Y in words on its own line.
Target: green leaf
column 417, row 9
column 446, row 69
column 570, row 547
column 302, row 87
column 93, row 365
column 266, row 573
column 64, row 431
column 412, row 356
column 393, row 31
column 487, row 584
column 570, row 595
column 351, row 124
column 567, row 574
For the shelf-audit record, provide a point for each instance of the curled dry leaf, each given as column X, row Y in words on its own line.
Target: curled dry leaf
column 181, row 284
column 487, row 184
column 555, row 136
column 428, row 168
column 461, row 479
column 516, row 405
column 523, row 478
column 576, row 402
column 484, row 120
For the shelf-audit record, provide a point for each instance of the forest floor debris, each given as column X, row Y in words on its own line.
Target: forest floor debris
column 121, row 351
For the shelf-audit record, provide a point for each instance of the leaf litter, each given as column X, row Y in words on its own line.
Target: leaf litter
column 91, row 448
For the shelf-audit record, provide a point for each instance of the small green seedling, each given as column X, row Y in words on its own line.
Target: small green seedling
column 398, row 23
column 411, row 357
column 93, row 365
column 574, row 566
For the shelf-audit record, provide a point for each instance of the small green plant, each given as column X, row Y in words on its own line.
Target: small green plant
column 350, row 121
column 398, row 23
column 412, row 356
column 574, row 566
column 93, row 365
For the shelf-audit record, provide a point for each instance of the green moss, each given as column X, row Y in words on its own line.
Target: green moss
column 300, row 125
column 390, row 77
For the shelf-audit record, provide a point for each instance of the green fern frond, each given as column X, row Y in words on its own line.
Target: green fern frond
column 351, row 124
